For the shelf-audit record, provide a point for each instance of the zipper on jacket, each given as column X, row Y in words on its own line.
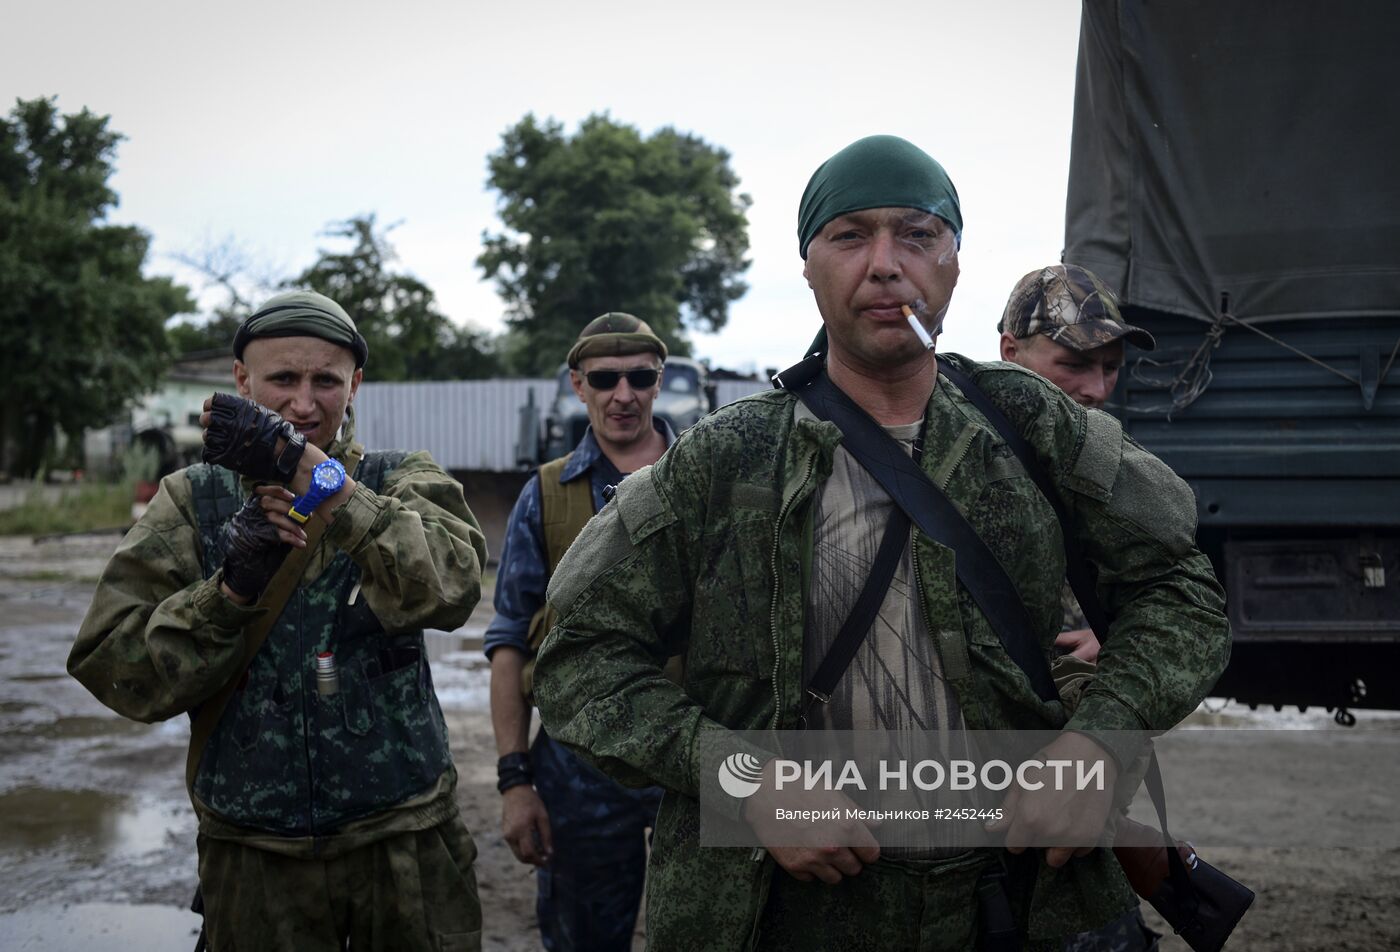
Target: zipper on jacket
column 773, row 606
column 923, row 607
column 961, row 446
column 305, row 723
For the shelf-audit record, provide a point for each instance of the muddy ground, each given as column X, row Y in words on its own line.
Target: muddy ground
column 96, row 836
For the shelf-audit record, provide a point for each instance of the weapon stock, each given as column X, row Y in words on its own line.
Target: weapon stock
column 1203, row 916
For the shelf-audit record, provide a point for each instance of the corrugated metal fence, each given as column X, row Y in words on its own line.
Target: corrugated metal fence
column 465, row 424
column 727, row 391
column 468, row 424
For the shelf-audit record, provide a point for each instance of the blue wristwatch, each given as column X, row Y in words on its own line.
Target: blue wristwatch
column 326, row 480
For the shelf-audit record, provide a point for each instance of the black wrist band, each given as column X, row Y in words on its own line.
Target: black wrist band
column 513, row 770
column 514, row 779
column 519, row 760
column 287, row 461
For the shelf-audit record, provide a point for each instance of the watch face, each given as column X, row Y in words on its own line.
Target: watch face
column 328, row 477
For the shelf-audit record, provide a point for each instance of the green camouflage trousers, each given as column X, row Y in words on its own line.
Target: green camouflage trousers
column 910, row 906
column 414, row 892
column 892, row 904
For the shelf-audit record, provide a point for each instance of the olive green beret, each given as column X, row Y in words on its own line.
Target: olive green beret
column 615, row 334
column 302, row 314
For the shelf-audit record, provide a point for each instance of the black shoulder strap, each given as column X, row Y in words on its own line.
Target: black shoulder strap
column 872, row 595
column 1077, row 568
column 934, row 513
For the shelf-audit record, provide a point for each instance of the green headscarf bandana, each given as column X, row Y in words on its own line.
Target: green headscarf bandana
column 876, row 172
column 302, row 314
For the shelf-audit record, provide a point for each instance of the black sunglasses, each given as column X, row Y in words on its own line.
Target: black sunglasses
column 639, row 379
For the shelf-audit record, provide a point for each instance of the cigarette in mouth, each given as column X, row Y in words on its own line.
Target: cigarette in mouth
column 918, row 328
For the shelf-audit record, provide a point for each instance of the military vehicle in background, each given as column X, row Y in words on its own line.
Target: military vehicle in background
column 1233, row 177
column 686, row 395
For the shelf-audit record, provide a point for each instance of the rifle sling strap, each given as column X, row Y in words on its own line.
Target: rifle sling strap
column 1077, row 568
column 863, row 612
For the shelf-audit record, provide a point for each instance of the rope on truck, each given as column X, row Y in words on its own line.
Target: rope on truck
column 1196, row 376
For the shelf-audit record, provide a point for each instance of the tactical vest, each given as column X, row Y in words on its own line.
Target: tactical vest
column 286, row 759
column 565, row 509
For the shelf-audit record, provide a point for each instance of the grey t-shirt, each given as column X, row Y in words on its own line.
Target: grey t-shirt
column 895, row 682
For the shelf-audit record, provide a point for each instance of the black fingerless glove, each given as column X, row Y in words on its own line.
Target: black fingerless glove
column 252, row 551
column 242, row 436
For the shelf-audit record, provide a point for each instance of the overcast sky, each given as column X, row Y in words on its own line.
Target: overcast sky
column 266, row 121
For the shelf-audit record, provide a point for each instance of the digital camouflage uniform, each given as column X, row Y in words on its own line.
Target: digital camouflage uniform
column 707, row 553
column 319, row 815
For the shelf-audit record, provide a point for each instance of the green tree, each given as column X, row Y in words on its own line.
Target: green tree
column 84, row 329
column 610, row 220
column 408, row 337
column 204, row 336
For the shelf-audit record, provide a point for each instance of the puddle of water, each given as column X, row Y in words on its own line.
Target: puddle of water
column 461, row 673
column 463, row 642
column 87, row 727
column 459, row 687
column 37, row 819
column 99, row 925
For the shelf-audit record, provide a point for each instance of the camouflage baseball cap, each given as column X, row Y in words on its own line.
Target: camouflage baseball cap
column 615, row 334
column 1071, row 306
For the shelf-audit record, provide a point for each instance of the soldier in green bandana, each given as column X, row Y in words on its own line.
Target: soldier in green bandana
column 746, row 545
column 323, row 784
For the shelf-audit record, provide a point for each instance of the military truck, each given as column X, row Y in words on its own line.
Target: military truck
column 1233, row 177
column 686, row 395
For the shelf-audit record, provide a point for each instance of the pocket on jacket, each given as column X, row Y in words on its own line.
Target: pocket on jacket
column 248, row 719
column 731, row 616
column 357, row 700
column 1021, row 530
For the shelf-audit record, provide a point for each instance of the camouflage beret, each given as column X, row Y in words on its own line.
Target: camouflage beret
column 1071, row 306
column 615, row 334
column 302, row 314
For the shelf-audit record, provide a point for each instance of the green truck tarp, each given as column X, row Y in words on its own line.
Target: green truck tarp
column 1244, row 148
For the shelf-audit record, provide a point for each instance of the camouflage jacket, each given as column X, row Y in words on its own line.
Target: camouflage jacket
column 707, row 553
column 160, row 638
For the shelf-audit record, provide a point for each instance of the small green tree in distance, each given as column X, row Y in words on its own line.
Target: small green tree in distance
column 408, row 337
column 608, row 219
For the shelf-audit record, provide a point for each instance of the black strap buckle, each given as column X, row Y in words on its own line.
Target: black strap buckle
column 814, row 697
